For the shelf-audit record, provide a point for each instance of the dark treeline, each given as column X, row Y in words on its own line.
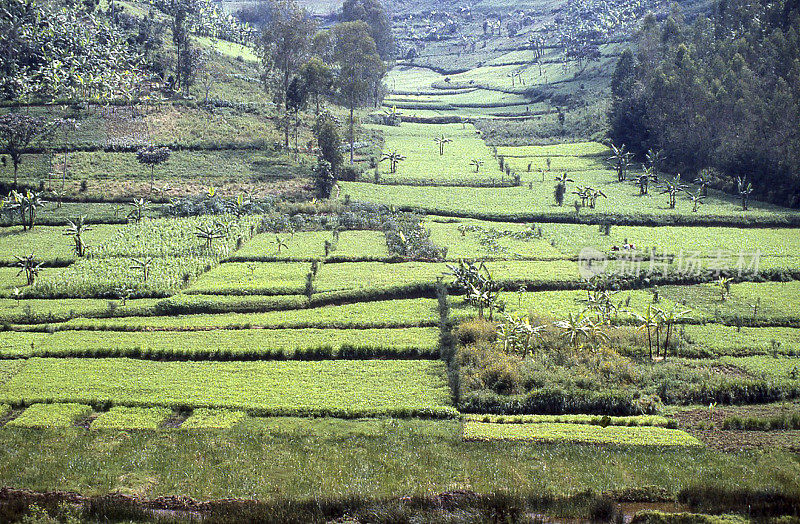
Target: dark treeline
column 720, row 95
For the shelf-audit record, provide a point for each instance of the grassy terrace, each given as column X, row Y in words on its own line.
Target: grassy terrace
column 247, row 344
column 334, row 388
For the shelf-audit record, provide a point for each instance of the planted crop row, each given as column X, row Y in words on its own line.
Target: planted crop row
column 582, row 433
column 592, row 420
column 419, row 312
column 51, row 416
column 310, row 245
column 227, row 344
column 122, row 417
column 340, row 388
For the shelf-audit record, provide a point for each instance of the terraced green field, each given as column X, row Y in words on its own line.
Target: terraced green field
column 423, row 161
column 337, row 387
column 579, row 433
column 246, row 344
column 537, row 204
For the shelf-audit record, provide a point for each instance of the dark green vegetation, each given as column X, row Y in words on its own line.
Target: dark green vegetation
column 718, row 95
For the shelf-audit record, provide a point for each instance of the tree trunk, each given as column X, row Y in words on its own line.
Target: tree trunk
column 352, row 133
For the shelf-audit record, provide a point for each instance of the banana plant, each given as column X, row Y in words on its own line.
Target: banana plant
column 138, row 207
column 29, row 267
column 441, row 141
column 672, row 189
column 75, row 229
column 143, row 264
column 620, row 159
column 477, row 163
column 209, row 234
column 745, row 189
column 696, row 199
column 393, row 158
column 573, row 328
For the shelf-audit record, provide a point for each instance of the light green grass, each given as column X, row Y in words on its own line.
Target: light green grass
column 337, row 387
column 213, row 419
column 595, row 420
column 780, row 369
column 30, row 311
column 719, row 340
column 104, row 277
column 489, row 240
column 383, row 313
column 554, row 432
column 423, row 161
column 244, row 278
column 538, row 203
column 51, row 416
column 308, row 245
column 49, row 244
column 776, row 301
column 131, row 418
column 576, row 149
column 724, row 242
column 265, row 343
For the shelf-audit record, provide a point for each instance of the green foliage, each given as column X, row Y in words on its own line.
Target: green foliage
column 213, row 419
column 131, row 418
column 343, row 388
column 583, row 433
column 732, row 73
column 227, row 344
column 51, row 416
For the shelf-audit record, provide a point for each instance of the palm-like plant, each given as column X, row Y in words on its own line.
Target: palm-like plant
column 75, row 229
column 209, row 234
column 138, row 207
column 670, row 318
column 647, row 323
column 143, row 264
column 477, row 163
column 643, row 180
column 702, row 181
column 654, row 160
column 441, row 141
column 594, row 194
column 563, row 179
column 29, row 267
column 745, row 189
column 672, row 189
column 583, row 193
column 26, row 204
column 393, row 158
column 696, row 199
column 282, row 243
column 518, row 334
column 573, row 328
column 620, row 159
column 724, row 287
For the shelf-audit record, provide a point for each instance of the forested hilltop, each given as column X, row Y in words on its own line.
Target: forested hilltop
column 719, row 95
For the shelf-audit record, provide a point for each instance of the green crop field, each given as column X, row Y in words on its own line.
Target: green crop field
column 213, row 419
column 131, row 418
column 51, row 416
column 376, row 263
column 589, row 434
column 423, row 160
column 375, row 314
column 338, row 387
column 538, row 204
column 225, row 343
